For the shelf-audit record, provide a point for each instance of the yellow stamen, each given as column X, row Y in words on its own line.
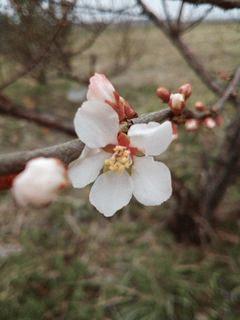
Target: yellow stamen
column 119, row 161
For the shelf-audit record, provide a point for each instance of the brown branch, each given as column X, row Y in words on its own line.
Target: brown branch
column 195, row 23
column 40, row 58
column 179, row 17
column 8, row 108
column 15, row 162
column 224, row 172
column 67, row 152
column 223, row 4
column 174, row 35
column 230, row 90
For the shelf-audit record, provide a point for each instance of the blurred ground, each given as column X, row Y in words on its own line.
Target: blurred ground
column 68, row 262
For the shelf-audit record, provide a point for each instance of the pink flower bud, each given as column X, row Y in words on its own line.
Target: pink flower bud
column 200, row 106
column 177, row 103
column 163, row 94
column 209, row 122
column 192, row 125
column 186, row 90
column 40, row 181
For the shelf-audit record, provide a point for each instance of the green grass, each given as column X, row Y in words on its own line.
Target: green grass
column 74, row 263
column 129, row 268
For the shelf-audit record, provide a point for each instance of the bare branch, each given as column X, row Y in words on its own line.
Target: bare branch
column 9, row 108
column 180, row 14
column 224, row 171
column 223, row 4
column 192, row 60
column 195, row 23
column 15, row 162
column 67, row 152
column 41, row 57
column 231, row 90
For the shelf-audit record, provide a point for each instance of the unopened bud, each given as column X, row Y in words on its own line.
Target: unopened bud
column 192, row 125
column 163, row 94
column 177, row 103
column 200, row 106
column 40, row 181
column 209, row 122
column 186, row 90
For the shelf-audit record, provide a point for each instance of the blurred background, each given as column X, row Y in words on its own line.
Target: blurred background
column 67, row 261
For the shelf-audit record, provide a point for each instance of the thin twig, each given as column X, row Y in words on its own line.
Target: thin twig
column 195, row 23
column 231, row 90
column 8, row 108
column 40, row 58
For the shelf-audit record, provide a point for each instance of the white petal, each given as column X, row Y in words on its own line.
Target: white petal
column 86, row 168
column 100, row 88
column 151, row 181
column 110, row 192
column 96, row 124
column 152, row 138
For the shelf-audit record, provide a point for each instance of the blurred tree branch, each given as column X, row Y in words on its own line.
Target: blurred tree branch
column 9, row 108
column 44, row 53
column 173, row 32
column 223, row 4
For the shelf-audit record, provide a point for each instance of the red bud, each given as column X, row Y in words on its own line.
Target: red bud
column 200, row 106
column 163, row 94
column 186, row 90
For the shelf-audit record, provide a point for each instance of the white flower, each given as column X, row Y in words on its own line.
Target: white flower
column 39, row 182
column 177, row 100
column 127, row 161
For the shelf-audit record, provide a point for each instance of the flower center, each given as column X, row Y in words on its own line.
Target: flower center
column 120, row 160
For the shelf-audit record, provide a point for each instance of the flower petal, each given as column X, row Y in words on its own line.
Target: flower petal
column 87, row 167
column 152, row 138
column 110, row 192
column 96, row 124
column 100, row 88
column 151, row 181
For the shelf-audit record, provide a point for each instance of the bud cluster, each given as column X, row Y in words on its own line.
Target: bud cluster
column 176, row 101
column 210, row 121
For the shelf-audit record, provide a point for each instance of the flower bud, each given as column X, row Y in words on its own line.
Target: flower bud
column 199, row 106
column 209, row 122
column 186, row 90
column 40, row 181
column 192, row 125
column 163, row 94
column 177, row 103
